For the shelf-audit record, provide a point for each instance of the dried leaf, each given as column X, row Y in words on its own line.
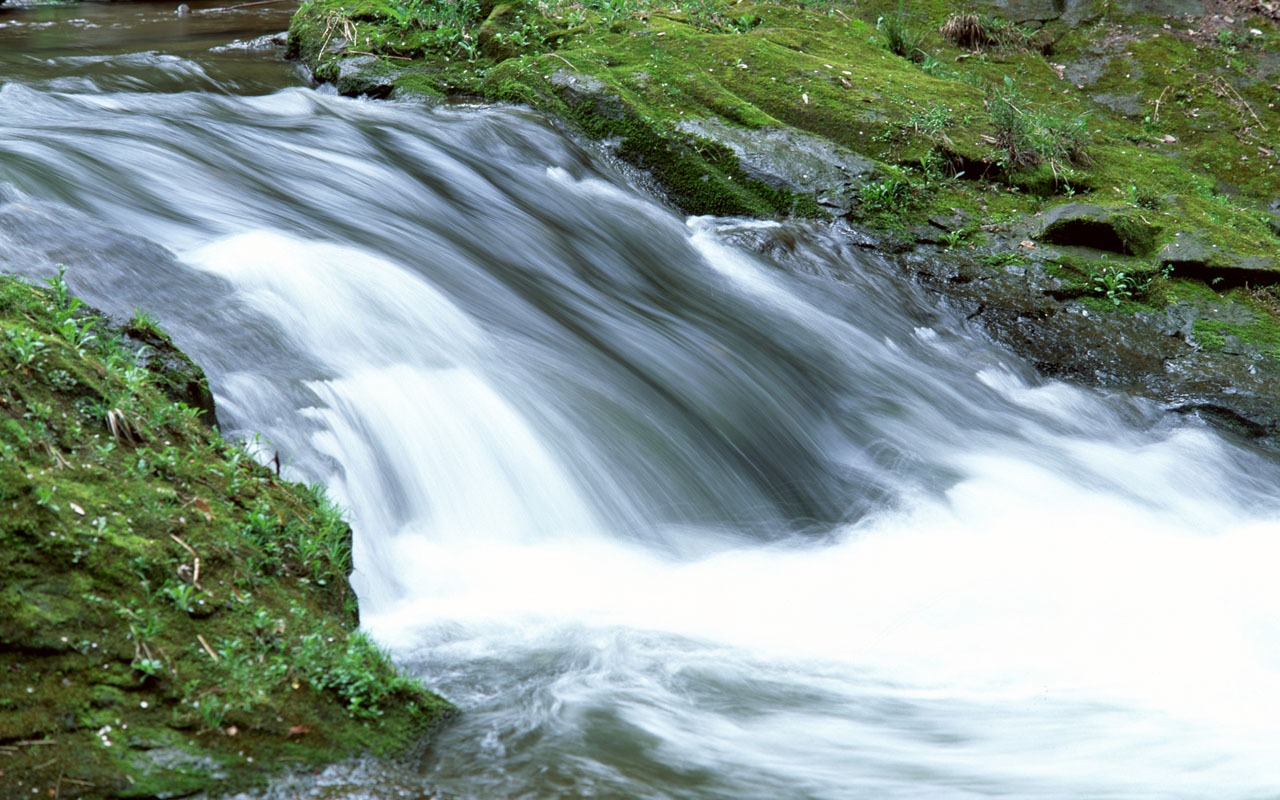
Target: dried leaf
column 202, row 505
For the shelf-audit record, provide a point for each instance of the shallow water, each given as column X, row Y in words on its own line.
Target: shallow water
column 672, row 508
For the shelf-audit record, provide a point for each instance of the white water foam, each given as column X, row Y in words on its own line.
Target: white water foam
column 1080, row 597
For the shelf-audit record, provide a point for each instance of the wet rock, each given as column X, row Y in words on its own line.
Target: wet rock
column 172, row 370
column 357, row 76
column 1230, row 391
column 927, row 234
column 576, row 89
column 1151, row 354
column 785, row 158
column 1164, row 8
column 951, row 222
column 1076, row 11
column 1098, row 227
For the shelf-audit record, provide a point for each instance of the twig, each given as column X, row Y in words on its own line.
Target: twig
column 355, row 53
column 1155, row 117
column 34, row 742
column 241, row 5
column 1226, row 89
column 195, row 577
column 185, row 546
column 207, row 648
column 565, row 60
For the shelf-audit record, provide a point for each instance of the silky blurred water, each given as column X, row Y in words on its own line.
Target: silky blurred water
column 671, row 508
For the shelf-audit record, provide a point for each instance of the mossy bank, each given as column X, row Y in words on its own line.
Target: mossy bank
column 1127, row 153
column 174, row 617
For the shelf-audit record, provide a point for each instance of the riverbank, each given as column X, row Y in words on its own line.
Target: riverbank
column 174, row 617
column 1095, row 182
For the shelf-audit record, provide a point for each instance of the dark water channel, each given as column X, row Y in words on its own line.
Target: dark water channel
column 672, row 508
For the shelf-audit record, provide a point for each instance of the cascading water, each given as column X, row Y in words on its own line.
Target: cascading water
column 671, row 508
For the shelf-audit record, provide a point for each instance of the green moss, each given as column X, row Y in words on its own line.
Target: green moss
column 173, row 616
column 1252, row 327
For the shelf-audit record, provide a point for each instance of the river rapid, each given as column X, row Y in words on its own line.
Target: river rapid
column 671, row 508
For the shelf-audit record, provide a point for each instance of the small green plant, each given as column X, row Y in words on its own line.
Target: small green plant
column 360, row 673
column 931, row 121
column 143, row 622
column 1004, row 258
column 1029, row 137
column 26, row 345
column 1143, row 198
column 44, row 497
column 212, row 710
column 62, row 298
column 183, row 595
column 900, row 37
column 143, row 322
column 981, row 32
column 613, row 10
column 953, row 239
column 889, row 196
column 78, row 331
column 933, row 66
column 1232, row 41
column 1115, row 284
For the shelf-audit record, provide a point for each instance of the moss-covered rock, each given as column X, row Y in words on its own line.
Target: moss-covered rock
column 1117, row 230
column 702, row 96
column 173, row 616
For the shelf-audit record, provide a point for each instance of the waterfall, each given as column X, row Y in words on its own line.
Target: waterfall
column 672, row 508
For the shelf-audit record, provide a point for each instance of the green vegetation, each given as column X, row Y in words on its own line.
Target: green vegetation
column 173, row 616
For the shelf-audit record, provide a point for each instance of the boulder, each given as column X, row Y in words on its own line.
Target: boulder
column 1190, row 256
column 1116, row 230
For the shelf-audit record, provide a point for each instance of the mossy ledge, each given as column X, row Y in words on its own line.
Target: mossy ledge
column 174, row 617
column 1125, row 152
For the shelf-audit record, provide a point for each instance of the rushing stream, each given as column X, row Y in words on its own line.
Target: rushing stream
column 672, row 508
